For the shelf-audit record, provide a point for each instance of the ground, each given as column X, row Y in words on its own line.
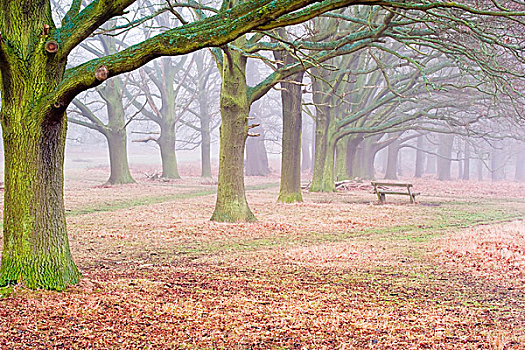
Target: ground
column 338, row 271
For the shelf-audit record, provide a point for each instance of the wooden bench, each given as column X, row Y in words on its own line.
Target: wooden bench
column 384, row 188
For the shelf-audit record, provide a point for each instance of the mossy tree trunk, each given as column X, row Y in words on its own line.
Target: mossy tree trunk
column 168, row 125
column 115, row 133
column 231, row 204
column 166, row 142
column 340, row 172
column 323, row 179
column 291, row 97
column 35, row 248
column 118, row 158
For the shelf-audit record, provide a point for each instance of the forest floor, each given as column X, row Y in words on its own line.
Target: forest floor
column 338, row 271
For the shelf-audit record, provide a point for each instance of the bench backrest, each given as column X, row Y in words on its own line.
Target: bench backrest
column 391, row 184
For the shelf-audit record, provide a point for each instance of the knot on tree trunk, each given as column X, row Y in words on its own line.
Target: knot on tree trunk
column 51, row 46
column 102, row 73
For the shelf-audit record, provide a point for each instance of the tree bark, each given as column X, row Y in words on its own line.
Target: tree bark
column 118, row 158
column 306, row 162
column 431, row 164
column 291, row 97
column 340, row 172
column 35, row 245
column 444, row 161
column 115, row 133
column 352, row 162
column 231, row 205
column 205, row 146
column 323, row 179
column 466, row 162
column 392, row 160
column 480, row 170
column 420, row 157
column 168, row 156
column 256, row 155
column 497, row 164
column 519, row 174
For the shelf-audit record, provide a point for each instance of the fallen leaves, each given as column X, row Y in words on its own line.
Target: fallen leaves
column 334, row 272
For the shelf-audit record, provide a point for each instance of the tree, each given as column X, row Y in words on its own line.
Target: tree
column 112, row 93
column 37, row 87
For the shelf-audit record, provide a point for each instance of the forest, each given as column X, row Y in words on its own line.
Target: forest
column 265, row 174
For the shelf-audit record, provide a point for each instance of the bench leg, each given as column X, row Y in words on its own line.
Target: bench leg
column 382, row 197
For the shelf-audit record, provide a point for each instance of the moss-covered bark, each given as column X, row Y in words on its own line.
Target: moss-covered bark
column 115, row 132
column 118, row 159
column 231, row 205
column 35, row 245
column 323, row 175
column 166, row 142
column 323, row 179
column 291, row 97
column 340, row 171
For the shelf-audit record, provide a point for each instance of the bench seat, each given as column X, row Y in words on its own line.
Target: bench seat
column 382, row 192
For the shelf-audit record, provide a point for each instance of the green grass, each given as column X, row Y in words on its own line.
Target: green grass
column 119, row 205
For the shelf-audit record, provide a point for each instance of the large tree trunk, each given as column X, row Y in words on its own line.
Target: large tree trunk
column 168, row 156
column 118, row 158
column 35, row 244
column 340, row 172
column 35, row 248
column 116, row 134
column 323, row 180
column 291, row 97
column 420, row 157
column 231, row 205
column 444, row 161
